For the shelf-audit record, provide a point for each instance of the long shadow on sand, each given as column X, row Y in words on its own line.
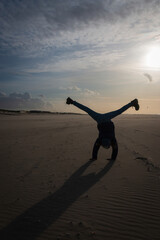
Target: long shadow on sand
column 39, row 217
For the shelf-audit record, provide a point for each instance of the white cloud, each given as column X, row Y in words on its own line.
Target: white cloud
column 71, row 88
column 90, row 92
column 85, row 91
column 75, row 88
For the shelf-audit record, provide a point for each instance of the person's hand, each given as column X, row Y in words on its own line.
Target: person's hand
column 111, row 159
column 93, row 159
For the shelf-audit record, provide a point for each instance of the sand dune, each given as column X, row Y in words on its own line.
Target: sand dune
column 50, row 190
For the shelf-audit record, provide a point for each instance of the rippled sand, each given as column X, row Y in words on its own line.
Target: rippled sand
column 50, row 190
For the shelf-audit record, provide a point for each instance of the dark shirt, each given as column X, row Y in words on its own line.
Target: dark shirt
column 106, row 130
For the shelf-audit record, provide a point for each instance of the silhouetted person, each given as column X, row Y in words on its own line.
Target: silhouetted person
column 105, row 126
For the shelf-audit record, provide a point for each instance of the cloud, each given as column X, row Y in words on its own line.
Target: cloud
column 84, row 91
column 148, row 76
column 90, row 92
column 71, row 88
column 2, row 94
column 74, row 88
column 50, row 24
column 41, row 95
column 64, row 15
column 23, row 101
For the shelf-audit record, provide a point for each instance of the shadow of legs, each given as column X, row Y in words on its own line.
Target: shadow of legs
column 39, row 217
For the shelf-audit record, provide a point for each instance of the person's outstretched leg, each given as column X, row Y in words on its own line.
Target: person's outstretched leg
column 113, row 114
column 92, row 113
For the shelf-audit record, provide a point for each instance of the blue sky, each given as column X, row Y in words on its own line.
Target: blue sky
column 101, row 53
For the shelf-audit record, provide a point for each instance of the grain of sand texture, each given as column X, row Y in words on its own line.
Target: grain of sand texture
column 50, row 190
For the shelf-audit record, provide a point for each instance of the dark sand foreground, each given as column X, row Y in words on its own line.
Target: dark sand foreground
column 50, row 190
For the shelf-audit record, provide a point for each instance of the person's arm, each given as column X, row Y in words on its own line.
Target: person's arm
column 114, row 146
column 96, row 147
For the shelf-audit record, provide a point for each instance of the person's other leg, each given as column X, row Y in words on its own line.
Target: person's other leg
column 113, row 114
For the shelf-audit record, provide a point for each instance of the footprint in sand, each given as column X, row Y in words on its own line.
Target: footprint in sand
column 148, row 163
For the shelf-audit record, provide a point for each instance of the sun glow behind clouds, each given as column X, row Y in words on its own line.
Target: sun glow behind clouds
column 153, row 58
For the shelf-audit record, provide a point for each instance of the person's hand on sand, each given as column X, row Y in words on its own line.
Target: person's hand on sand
column 93, row 159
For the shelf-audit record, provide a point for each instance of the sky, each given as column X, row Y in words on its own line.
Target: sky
column 101, row 53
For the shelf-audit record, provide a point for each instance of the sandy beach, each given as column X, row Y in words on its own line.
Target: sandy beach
column 50, row 190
